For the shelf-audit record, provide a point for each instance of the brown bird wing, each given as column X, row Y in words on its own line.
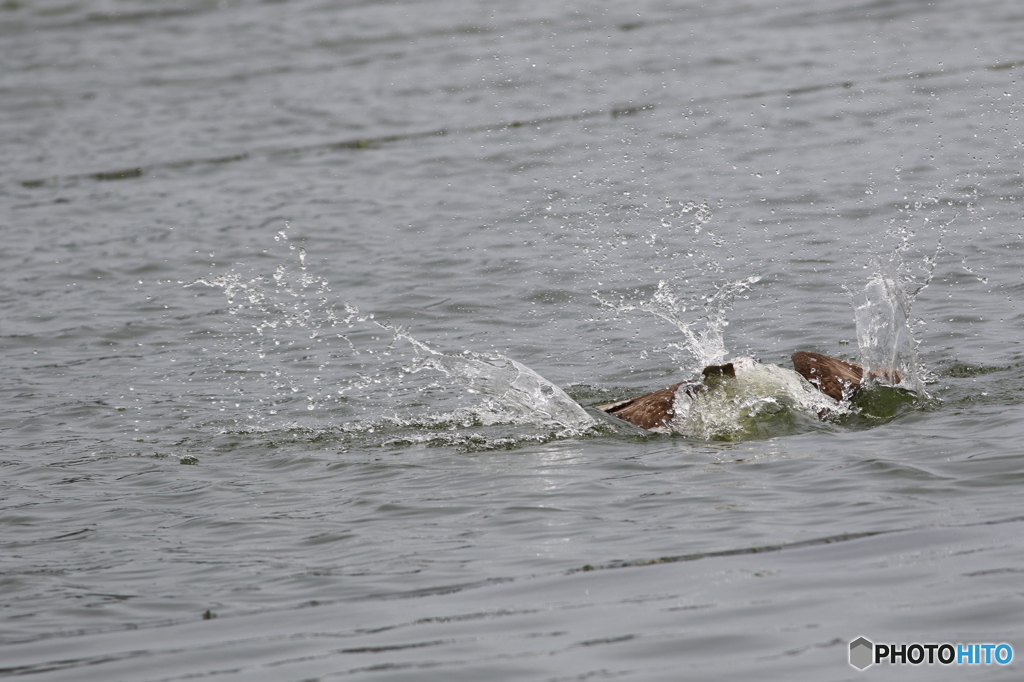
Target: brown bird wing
column 652, row 410
column 831, row 376
column 648, row 411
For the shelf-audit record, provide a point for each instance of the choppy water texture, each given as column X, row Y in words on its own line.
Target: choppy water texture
column 255, row 253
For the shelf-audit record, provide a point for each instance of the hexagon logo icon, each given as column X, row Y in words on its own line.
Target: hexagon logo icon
column 861, row 653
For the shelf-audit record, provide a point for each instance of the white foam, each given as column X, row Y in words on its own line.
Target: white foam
column 730, row 409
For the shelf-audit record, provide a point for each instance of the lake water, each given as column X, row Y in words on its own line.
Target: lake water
column 236, row 233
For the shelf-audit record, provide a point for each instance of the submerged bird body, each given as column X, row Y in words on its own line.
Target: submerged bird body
column 649, row 411
column 837, row 379
column 657, row 409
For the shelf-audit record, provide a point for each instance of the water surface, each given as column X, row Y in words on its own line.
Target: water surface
column 504, row 178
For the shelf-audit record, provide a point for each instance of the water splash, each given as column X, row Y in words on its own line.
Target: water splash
column 886, row 341
column 291, row 322
column 501, row 382
column 886, row 335
column 703, row 341
column 285, row 315
column 763, row 400
column 297, row 301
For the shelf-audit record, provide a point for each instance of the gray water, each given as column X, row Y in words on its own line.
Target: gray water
column 203, row 203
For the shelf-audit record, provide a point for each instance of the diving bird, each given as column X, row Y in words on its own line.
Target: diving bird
column 838, row 379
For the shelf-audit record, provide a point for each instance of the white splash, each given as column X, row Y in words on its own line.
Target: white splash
column 885, row 328
column 512, row 385
column 284, row 316
column 736, row 408
column 886, row 341
column 703, row 338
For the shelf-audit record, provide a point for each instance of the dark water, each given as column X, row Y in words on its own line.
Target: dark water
column 485, row 175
